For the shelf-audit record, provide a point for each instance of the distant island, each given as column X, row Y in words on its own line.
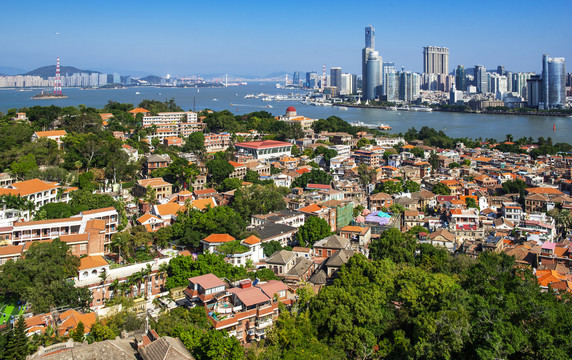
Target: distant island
column 48, row 96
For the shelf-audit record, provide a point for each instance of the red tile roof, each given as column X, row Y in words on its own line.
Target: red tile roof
column 262, row 144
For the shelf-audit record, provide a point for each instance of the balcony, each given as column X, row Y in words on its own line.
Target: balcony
column 263, row 324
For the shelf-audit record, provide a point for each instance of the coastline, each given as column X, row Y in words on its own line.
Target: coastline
column 532, row 113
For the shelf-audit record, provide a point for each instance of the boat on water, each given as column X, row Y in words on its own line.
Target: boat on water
column 403, row 108
column 249, row 96
column 384, row 127
column 343, row 108
column 215, row 99
column 269, row 106
column 391, row 108
column 137, row 93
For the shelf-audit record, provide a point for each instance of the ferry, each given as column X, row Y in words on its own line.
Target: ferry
column 384, row 127
column 343, row 108
column 391, row 108
column 137, row 93
column 249, row 96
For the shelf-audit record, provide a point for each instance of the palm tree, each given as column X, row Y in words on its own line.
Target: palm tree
column 114, row 287
column 103, row 276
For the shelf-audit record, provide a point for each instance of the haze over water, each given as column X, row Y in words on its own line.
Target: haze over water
column 453, row 124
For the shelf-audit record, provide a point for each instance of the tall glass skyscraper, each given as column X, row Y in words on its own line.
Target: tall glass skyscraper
column 369, row 47
column 336, row 77
column 370, row 37
column 553, row 82
column 373, row 81
column 460, row 78
column 481, row 79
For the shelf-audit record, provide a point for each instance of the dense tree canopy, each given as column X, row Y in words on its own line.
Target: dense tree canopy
column 314, row 229
column 40, row 278
column 258, row 199
column 312, row 177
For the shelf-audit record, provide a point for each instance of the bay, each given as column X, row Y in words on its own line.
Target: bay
column 232, row 98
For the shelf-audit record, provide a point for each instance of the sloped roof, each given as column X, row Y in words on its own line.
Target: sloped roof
column 281, row 257
column 218, row 238
column 333, row 242
column 90, row 262
column 207, row 281
column 250, row 296
column 319, row 278
column 165, row 348
column 50, row 133
column 340, row 257
column 444, row 233
column 272, row 287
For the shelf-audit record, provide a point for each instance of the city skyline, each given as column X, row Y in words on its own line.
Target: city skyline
column 249, row 38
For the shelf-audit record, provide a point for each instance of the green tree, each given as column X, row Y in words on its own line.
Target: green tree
column 434, row 160
column 365, row 175
column 257, row 199
column 78, row 334
column 471, row 203
column 412, row 186
column 312, row 177
column 102, row 332
column 18, row 346
column 24, row 165
column 219, row 169
column 271, row 247
column 420, row 153
column 441, row 189
column 394, row 245
column 314, row 229
column 231, row 184
column 194, row 225
column 195, row 142
column 40, row 278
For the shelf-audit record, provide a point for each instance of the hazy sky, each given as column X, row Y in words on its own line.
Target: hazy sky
column 259, row 37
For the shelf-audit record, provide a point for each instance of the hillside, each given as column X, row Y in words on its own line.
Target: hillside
column 152, row 79
column 48, row 71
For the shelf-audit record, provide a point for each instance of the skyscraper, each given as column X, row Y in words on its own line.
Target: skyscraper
column 336, row 77
column 409, row 85
column 373, row 82
column 435, row 60
column 481, row 79
column 370, row 37
column 553, row 82
column 460, row 78
column 311, row 79
column 369, row 46
column 296, row 78
column 387, row 67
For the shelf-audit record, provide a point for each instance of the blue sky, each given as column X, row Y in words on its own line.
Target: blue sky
column 260, row 37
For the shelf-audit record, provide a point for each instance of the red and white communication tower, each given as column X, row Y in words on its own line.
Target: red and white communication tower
column 58, row 81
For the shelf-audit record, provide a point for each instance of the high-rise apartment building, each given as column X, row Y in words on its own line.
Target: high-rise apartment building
column 435, row 60
column 391, row 84
column 336, row 77
column 409, row 85
column 346, row 84
column 460, row 78
column 387, row 67
column 481, row 79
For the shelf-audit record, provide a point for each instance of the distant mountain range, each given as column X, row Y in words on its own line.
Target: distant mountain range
column 50, row 71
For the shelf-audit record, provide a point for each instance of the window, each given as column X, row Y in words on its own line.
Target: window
column 83, row 247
